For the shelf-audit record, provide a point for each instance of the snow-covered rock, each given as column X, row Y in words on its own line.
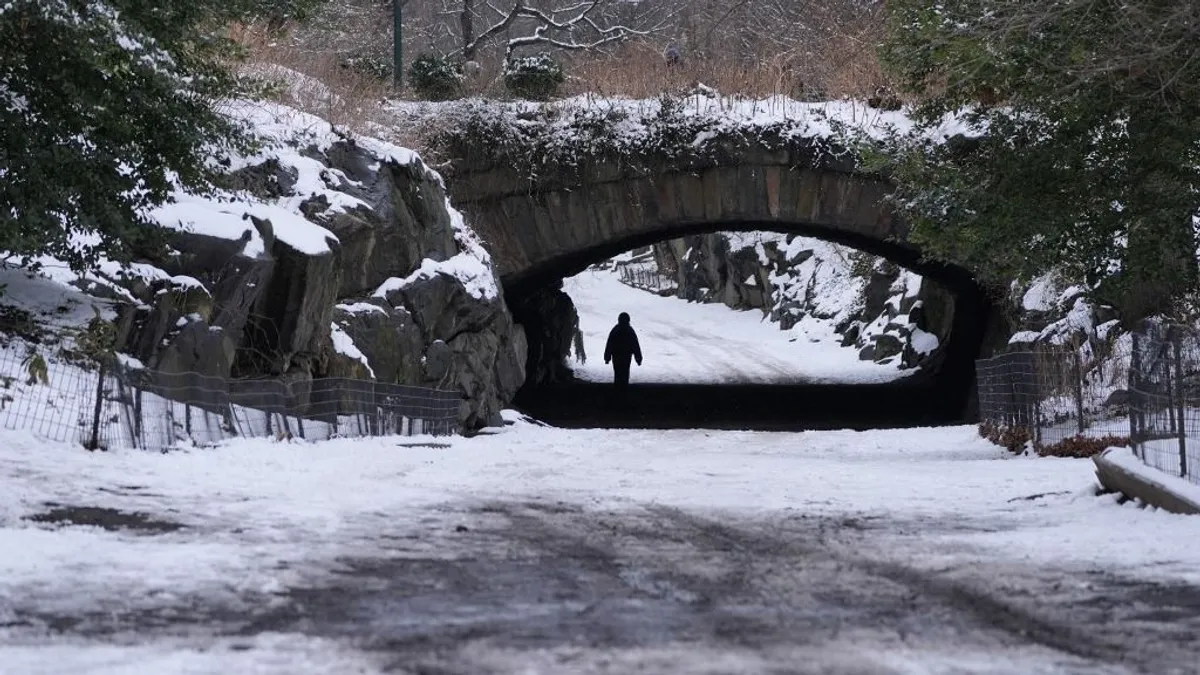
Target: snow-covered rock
column 889, row 314
column 269, row 275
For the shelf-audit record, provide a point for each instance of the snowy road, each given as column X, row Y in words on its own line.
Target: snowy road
column 709, row 343
column 548, row 551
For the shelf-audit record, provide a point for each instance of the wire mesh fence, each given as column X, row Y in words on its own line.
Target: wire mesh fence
column 109, row 405
column 646, row 277
column 1164, row 400
column 52, row 398
column 1142, row 390
column 1061, row 400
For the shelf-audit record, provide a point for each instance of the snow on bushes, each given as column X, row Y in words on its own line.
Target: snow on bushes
column 559, row 137
column 436, row 78
column 536, row 77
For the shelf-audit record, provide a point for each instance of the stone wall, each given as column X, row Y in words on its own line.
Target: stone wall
column 557, row 224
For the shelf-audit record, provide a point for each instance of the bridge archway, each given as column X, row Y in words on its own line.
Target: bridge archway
column 541, row 230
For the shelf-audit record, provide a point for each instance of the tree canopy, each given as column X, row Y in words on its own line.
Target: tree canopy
column 105, row 105
column 1080, row 149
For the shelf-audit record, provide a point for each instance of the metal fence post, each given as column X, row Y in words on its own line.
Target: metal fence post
column 398, row 43
column 1078, row 361
column 1136, row 415
column 125, row 396
column 1180, row 402
column 137, row 418
column 94, row 442
column 232, row 425
column 1037, row 422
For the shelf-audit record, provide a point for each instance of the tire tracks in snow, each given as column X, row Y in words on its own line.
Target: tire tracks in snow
column 586, row 589
column 751, row 551
column 724, row 569
column 1023, row 624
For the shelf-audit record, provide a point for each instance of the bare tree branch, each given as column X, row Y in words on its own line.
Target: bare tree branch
column 471, row 45
column 581, row 16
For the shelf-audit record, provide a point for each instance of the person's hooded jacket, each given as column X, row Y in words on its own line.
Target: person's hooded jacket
column 622, row 342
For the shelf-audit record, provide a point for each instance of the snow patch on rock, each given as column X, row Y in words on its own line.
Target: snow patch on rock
column 343, row 344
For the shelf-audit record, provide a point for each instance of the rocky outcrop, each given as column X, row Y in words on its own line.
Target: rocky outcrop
column 195, row 317
column 1054, row 316
column 551, row 328
column 288, row 330
column 888, row 314
column 327, row 256
column 707, row 269
column 468, row 343
column 407, row 220
column 1051, row 311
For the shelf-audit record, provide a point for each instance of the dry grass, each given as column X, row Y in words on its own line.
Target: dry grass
column 1014, row 438
column 842, row 67
column 1082, row 446
column 346, row 98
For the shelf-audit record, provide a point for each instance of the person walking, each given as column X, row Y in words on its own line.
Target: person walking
column 622, row 347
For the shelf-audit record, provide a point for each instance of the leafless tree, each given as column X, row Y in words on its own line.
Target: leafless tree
column 809, row 40
column 579, row 25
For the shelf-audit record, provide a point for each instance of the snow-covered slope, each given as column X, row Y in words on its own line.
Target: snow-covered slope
column 264, row 274
column 710, row 343
column 875, row 310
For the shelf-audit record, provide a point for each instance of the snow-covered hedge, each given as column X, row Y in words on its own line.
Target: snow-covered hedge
column 436, row 78
column 558, row 138
column 536, row 77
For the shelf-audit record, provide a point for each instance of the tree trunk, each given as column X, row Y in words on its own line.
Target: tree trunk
column 466, row 21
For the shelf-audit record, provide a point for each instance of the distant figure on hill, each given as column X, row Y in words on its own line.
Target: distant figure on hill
column 673, row 54
column 621, row 347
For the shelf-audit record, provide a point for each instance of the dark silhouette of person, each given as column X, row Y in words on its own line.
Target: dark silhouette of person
column 622, row 346
column 673, row 55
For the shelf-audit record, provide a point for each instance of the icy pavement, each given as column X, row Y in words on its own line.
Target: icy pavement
column 709, row 343
column 538, row 550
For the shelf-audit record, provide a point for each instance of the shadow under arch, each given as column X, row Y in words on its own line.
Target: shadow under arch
column 941, row 396
column 546, row 224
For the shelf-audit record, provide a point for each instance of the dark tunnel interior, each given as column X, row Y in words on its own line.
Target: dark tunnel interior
column 942, row 395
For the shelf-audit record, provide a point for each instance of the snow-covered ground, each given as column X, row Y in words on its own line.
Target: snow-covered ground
column 699, row 343
column 538, row 550
column 261, row 521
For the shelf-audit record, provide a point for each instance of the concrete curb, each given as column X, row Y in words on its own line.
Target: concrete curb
column 1134, row 485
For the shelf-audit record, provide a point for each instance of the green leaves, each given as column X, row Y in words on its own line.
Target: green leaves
column 535, row 77
column 1085, row 118
column 106, row 107
column 437, row 78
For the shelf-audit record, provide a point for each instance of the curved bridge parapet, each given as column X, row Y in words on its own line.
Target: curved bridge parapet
column 558, row 221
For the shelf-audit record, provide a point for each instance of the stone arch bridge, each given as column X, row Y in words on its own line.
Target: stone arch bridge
column 555, row 225
column 544, row 227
